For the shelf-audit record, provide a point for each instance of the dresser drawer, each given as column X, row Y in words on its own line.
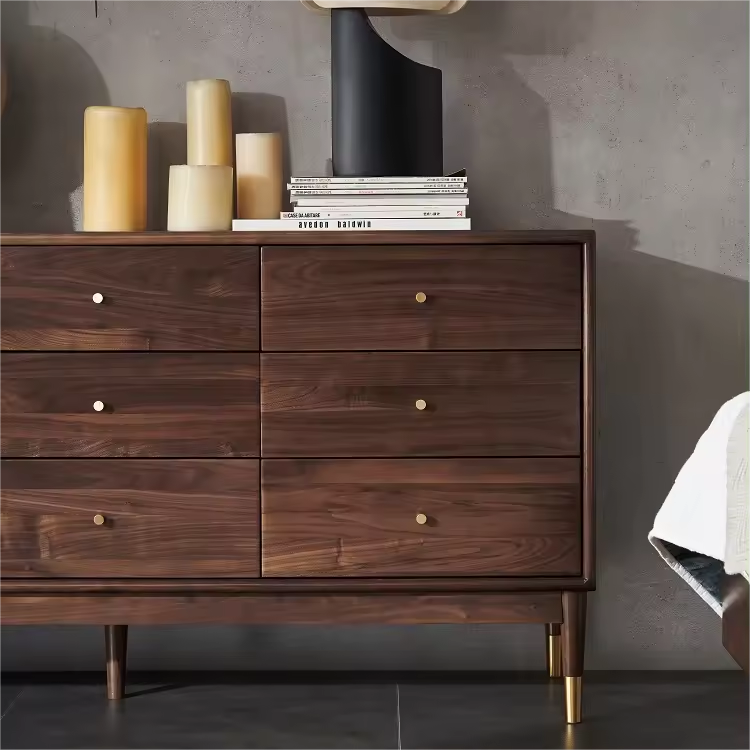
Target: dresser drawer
column 421, row 517
column 152, row 298
column 130, row 405
column 475, row 297
column 112, row 518
column 421, row 404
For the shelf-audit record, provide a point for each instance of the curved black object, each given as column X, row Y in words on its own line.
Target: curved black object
column 387, row 115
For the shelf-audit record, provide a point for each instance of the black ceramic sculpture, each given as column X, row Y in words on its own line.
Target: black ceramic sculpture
column 387, row 117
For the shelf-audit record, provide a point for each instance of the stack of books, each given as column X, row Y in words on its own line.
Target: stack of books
column 370, row 203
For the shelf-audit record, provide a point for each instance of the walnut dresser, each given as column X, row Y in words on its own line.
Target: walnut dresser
column 299, row 428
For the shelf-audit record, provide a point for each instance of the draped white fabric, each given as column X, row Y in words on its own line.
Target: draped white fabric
column 706, row 510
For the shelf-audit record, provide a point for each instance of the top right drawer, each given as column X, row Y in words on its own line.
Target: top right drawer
column 369, row 298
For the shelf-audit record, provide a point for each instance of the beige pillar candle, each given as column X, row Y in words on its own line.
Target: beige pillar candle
column 200, row 198
column 114, row 169
column 259, row 175
column 209, row 122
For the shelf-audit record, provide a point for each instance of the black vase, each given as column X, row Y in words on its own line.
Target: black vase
column 387, row 110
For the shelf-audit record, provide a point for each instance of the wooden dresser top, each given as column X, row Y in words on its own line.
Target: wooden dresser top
column 514, row 237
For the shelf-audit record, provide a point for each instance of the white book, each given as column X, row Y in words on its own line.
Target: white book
column 370, row 180
column 382, row 212
column 354, row 202
column 346, row 225
column 378, row 191
column 357, row 188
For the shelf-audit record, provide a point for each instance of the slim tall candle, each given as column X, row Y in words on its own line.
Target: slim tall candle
column 209, row 122
column 259, row 175
column 114, row 169
column 200, row 198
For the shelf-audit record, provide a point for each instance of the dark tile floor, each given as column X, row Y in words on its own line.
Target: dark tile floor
column 622, row 710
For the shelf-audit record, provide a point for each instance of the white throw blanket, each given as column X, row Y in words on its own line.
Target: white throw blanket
column 706, row 512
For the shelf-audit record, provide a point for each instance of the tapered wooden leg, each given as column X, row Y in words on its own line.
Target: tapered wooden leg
column 116, row 646
column 554, row 649
column 573, row 640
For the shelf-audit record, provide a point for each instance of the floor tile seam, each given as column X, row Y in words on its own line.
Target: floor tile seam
column 12, row 703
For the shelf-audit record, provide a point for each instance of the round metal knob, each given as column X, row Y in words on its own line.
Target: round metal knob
column 98, row 298
column 99, row 519
column 421, row 404
column 98, row 405
column 421, row 519
column 421, row 297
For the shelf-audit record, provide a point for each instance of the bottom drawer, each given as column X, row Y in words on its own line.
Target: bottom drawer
column 100, row 518
column 421, row 517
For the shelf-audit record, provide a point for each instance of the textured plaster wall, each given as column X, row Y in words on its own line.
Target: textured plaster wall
column 630, row 118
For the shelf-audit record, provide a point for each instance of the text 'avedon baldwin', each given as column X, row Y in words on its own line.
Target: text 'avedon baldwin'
column 343, row 224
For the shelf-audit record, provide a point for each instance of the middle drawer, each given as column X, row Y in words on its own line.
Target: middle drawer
column 382, row 404
column 130, row 405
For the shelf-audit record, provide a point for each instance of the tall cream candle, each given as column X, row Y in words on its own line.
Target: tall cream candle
column 114, row 169
column 209, row 122
column 259, row 175
column 200, row 198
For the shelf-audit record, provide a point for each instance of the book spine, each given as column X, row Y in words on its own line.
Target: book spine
column 371, row 180
column 405, row 187
column 397, row 212
column 377, row 201
column 379, row 191
column 346, row 225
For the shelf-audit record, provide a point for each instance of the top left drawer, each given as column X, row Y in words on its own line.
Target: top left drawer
column 130, row 298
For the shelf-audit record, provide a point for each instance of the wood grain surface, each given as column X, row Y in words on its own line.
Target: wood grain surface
column 499, row 461
column 364, row 298
column 735, row 621
column 162, row 239
column 181, row 518
column 477, row 404
column 156, row 405
column 155, row 298
column 269, row 609
column 308, row 586
column 588, row 400
column 481, row 517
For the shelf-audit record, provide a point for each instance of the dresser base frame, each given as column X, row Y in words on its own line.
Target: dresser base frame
column 561, row 612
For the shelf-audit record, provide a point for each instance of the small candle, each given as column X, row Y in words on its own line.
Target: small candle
column 259, row 175
column 200, row 198
column 114, row 169
column 209, row 122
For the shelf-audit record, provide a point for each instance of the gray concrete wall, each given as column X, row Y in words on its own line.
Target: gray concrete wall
column 630, row 118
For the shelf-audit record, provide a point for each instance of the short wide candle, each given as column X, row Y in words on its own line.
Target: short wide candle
column 259, row 175
column 209, row 122
column 200, row 198
column 114, row 169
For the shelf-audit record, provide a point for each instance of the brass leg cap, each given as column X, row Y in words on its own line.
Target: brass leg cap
column 573, row 700
column 554, row 651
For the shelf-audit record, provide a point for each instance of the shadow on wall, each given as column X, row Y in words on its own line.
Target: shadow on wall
column 167, row 145
column 672, row 339
column 673, row 346
column 51, row 81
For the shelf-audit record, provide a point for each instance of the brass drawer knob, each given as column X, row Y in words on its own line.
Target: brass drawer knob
column 98, row 405
column 98, row 298
column 99, row 519
column 421, row 519
column 421, row 297
column 421, row 404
